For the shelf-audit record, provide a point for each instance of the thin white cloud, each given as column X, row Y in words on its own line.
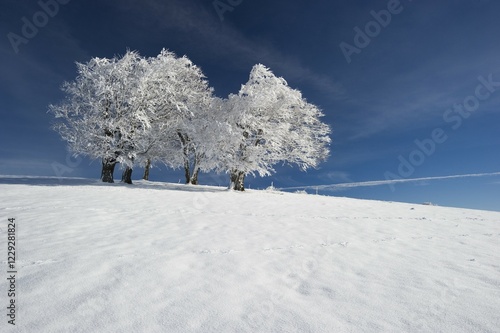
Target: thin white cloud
column 32, row 72
column 338, row 176
column 388, row 182
column 221, row 41
column 410, row 100
column 37, row 167
column 419, row 93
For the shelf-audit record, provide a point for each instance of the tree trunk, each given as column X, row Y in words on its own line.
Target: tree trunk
column 233, row 176
column 194, row 177
column 108, row 168
column 196, row 170
column 146, row 169
column 237, row 180
column 240, row 183
column 127, row 175
column 187, row 172
column 185, row 150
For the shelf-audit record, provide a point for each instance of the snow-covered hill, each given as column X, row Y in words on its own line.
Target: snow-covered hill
column 157, row 257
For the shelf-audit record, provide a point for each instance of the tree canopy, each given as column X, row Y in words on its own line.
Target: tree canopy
column 141, row 111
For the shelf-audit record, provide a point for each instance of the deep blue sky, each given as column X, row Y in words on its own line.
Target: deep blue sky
column 400, row 87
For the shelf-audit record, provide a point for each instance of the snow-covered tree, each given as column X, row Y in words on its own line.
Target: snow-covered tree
column 209, row 134
column 271, row 123
column 177, row 98
column 102, row 115
column 132, row 110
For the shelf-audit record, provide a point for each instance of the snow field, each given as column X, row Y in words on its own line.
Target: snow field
column 156, row 257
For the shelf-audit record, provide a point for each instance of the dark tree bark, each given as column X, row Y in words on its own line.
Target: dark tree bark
column 146, row 170
column 194, row 177
column 196, row 169
column 240, row 182
column 185, row 141
column 187, row 172
column 233, row 176
column 108, row 169
column 127, row 175
column 237, row 180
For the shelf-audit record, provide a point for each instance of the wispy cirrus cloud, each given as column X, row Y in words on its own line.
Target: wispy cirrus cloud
column 426, row 74
column 226, row 44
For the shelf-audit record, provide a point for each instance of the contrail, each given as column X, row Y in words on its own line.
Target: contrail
column 387, row 182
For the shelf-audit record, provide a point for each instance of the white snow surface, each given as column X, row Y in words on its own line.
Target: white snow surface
column 156, row 257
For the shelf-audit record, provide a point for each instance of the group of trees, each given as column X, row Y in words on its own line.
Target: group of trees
column 142, row 111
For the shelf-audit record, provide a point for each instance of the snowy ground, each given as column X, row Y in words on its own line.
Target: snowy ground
column 156, row 257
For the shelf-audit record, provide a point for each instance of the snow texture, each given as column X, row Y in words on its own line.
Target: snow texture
column 158, row 257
